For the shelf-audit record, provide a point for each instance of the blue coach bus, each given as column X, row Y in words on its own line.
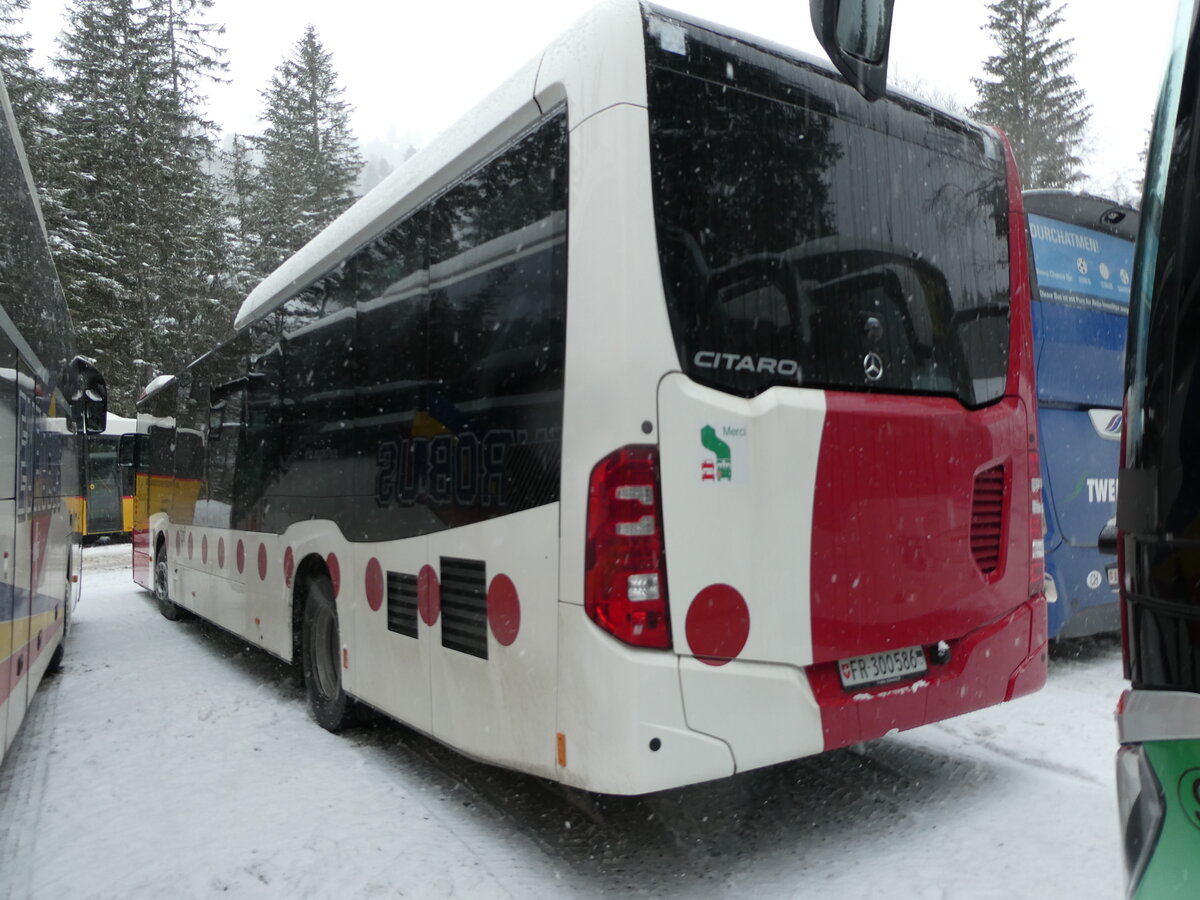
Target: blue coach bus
column 1082, row 251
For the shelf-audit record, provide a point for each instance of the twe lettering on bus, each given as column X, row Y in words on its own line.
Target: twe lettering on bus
column 1102, row 490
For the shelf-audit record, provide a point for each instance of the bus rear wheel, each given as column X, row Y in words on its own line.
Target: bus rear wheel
column 320, row 654
column 166, row 606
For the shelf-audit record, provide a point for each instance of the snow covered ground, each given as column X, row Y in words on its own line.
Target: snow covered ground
column 170, row 760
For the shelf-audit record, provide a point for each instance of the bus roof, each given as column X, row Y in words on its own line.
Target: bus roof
column 404, row 189
column 155, row 386
column 611, row 36
column 1085, row 210
column 119, row 425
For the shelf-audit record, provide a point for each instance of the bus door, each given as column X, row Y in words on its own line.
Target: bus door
column 8, row 523
column 104, row 512
column 1079, row 322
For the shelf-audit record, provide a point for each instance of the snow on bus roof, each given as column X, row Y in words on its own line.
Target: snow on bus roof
column 460, row 146
column 383, row 205
column 466, row 142
column 119, row 425
column 155, row 386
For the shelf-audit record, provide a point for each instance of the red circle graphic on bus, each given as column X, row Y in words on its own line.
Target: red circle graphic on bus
column 241, row 556
column 204, row 549
column 503, row 609
column 429, row 596
column 189, row 546
column 220, row 553
column 374, row 584
column 262, row 561
column 717, row 625
column 289, row 566
column 335, row 573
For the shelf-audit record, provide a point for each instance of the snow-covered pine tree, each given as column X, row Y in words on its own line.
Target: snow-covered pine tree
column 239, row 185
column 29, row 89
column 138, row 235
column 1030, row 93
column 310, row 159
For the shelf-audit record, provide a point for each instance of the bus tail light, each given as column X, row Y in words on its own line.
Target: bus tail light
column 625, row 579
column 1037, row 528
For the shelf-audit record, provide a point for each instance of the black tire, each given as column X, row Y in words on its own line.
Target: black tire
column 55, row 665
column 321, row 657
column 166, row 606
column 56, row 659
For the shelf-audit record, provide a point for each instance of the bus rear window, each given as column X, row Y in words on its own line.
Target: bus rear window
column 804, row 244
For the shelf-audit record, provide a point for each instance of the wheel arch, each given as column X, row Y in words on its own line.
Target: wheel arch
column 312, row 566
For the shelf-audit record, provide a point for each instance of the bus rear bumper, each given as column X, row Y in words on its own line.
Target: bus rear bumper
column 633, row 721
column 621, row 722
column 1000, row 661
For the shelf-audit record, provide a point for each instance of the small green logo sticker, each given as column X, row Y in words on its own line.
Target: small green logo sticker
column 720, row 466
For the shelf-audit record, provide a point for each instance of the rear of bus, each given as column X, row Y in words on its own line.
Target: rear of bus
column 833, row 523
column 108, row 485
column 1082, row 252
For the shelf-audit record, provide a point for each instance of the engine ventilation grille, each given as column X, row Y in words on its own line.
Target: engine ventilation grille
column 464, row 606
column 987, row 519
column 402, row 603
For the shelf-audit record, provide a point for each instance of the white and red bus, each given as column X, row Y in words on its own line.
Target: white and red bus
column 670, row 416
column 49, row 398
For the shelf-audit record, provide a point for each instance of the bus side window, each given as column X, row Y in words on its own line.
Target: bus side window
column 127, row 451
column 392, row 339
column 498, row 319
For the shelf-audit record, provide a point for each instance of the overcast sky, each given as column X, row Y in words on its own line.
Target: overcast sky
column 413, row 68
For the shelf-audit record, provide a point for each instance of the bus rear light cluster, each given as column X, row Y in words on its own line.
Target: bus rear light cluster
column 1037, row 528
column 625, row 584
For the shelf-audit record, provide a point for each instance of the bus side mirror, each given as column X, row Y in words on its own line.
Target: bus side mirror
column 127, row 451
column 856, row 34
column 1107, row 542
column 89, row 394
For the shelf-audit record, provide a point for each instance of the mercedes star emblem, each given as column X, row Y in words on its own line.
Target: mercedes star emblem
column 873, row 366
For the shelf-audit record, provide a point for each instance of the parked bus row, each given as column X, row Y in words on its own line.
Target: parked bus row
column 771, row 485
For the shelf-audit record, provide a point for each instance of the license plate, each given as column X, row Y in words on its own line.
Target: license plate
column 880, row 668
column 1113, row 578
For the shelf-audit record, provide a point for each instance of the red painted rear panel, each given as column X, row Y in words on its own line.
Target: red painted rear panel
column 892, row 563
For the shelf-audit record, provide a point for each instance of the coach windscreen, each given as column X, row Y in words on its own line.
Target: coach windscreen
column 808, row 238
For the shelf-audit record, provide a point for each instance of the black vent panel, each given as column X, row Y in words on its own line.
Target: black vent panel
column 402, row 603
column 987, row 519
column 464, row 606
